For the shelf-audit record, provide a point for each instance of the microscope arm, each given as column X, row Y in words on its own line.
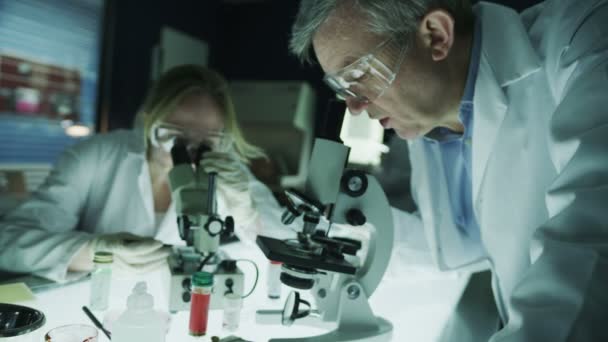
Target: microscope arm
column 372, row 206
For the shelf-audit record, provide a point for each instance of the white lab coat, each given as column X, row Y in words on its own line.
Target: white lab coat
column 539, row 172
column 101, row 186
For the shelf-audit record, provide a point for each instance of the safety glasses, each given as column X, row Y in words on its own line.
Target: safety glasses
column 367, row 78
column 164, row 134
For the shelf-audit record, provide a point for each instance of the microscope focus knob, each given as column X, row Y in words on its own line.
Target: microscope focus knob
column 296, row 282
column 214, row 226
column 184, row 225
column 187, row 284
column 354, row 183
column 229, row 225
column 355, row 217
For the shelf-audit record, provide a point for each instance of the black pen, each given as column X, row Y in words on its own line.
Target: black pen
column 96, row 322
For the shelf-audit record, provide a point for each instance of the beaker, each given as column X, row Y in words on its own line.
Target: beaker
column 72, row 333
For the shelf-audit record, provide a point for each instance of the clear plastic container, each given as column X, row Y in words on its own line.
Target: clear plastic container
column 101, row 278
column 140, row 322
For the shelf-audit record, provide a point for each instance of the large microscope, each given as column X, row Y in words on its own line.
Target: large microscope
column 200, row 226
column 328, row 267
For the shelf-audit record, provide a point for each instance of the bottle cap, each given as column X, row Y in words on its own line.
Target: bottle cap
column 202, row 279
column 140, row 298
column 232, row 301
column 102, row 257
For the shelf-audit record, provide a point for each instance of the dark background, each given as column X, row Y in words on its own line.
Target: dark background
column 247, row 41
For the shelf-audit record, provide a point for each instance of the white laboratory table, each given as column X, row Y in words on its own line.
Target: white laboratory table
column 417, row 304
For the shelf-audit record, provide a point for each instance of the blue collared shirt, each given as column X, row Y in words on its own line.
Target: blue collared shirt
column 456, row 152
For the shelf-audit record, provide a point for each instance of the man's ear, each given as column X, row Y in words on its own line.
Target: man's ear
column 437, row 33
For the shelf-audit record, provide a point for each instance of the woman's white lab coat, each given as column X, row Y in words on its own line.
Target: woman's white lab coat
column 539, row 172
column 100, row 186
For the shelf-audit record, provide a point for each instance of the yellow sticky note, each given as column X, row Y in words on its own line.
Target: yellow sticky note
column 15, row 293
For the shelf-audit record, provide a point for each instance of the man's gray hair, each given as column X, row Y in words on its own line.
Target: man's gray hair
column 392, row 18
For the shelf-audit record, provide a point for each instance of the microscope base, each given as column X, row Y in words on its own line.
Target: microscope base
column 354, row 318
column 382, row 334
column 180, row 281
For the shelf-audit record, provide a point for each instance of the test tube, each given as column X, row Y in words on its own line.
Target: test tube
column 273, row 280
column 202, row 285
column 101, row 278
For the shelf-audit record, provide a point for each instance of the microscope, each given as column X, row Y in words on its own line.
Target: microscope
column 194, row 193
column 339, row 282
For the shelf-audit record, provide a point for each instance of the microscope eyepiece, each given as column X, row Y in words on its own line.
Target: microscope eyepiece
column 289, row 215
column 200, row 150
column 179, row 152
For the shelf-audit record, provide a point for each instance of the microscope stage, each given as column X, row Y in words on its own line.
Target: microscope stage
column 278, row 250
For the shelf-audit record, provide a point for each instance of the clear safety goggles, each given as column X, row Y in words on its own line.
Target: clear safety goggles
column 164, row 135
column 367, row 78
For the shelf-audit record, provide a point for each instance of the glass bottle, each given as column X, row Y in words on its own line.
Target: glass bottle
column 101, row 277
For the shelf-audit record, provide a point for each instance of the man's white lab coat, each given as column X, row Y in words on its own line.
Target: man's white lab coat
column 101, row 186
column 539, row 172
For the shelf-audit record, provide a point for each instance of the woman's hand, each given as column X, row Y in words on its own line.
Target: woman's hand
column 232, row 183
column 132, row 253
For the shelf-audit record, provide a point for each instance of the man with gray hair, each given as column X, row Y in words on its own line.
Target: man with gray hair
column 506, row 117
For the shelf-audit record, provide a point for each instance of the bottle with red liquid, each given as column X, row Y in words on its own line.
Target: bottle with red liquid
column 202, row 284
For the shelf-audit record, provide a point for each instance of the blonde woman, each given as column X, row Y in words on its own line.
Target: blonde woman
column 111, row 192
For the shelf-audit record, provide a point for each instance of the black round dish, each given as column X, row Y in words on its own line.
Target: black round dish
column 17, row 320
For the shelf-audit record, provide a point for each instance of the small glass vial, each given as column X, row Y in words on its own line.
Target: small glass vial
column 232, row 311
column 202, row 285
column 101, row 278
column 273, row 280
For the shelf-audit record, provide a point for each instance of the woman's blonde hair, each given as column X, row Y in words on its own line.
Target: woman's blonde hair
column 168, row 91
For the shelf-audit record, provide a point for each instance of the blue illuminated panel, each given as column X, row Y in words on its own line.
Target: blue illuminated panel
column 49, row 62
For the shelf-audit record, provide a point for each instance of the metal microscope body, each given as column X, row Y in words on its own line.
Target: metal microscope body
column 194, row 193
column 340, row 289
